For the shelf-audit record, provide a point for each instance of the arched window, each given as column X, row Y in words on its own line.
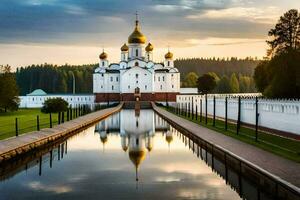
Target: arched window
column 136, row 52
column 103, row 63
column 136, row 64
column 168, row 63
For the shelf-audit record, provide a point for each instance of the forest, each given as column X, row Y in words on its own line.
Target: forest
column 55, row 79
column 220, row 66
column 58, row 79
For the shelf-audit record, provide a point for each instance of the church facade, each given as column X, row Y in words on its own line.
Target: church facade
column 136, row 76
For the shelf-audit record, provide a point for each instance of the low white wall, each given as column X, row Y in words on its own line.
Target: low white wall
column 38, row 101
column 283, row 115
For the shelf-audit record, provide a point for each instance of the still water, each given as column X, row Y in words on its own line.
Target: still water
column 127, row 156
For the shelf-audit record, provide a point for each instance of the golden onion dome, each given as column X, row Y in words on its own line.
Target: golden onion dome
column 149, row 47
column 169, row 55
column 103, row 140
column 124, row 47
column 137, row 36
column 125, row 148
column 149, row 148
column 169, row 138
column 103, row 55
column 137, row 157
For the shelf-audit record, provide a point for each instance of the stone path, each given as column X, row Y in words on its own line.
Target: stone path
column 17, row 145
column 287, row 170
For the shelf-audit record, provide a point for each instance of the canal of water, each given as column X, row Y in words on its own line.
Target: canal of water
column 130, row 155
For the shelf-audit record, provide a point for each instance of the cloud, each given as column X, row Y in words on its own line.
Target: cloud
column 223, row 41
column 259, row 15
column 57, row 189
column 75, row 10
column 107, row 23
column 170, row 8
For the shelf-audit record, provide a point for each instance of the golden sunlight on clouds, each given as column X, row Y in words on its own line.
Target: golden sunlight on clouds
column 57, row 189
column 267, row 15
column 18, row 55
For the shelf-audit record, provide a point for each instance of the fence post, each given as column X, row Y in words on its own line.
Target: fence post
column 181, row 109
column 37, row 123
column 58, row 117
column 201, row 110
column 214, row 119
column 196, row 112
column 239, row 116
column 17, row 129
column 256, row 119
column 205, row 108
column 63, row 117
column 186, row 107
column 68, row 114
column 192, row 108
column 50, row 119
column 189, row 109
column 226, row 112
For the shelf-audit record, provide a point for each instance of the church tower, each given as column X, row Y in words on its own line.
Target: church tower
column 124, row 52
column 136, row 42
column 149, row 52
column 169, row 59
column 103, row 60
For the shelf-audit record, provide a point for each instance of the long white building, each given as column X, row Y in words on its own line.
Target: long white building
column 136, row 75
column 37, row 98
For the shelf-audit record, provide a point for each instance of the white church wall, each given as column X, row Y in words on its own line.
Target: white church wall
column 98, row 83
column 112, row 83
column 136, row 77
column 137, row 62
column 167, row 82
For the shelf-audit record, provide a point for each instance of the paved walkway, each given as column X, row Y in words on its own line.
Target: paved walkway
column 285, row 169
column 23, row 143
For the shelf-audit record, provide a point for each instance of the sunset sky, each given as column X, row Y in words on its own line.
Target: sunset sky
column 75, row 31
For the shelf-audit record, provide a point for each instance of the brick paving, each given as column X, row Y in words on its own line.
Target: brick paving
column 286, row 169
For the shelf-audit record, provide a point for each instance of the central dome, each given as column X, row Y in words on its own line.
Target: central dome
column 137, row 36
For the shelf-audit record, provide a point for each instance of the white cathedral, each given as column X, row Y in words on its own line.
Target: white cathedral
column 136, row 75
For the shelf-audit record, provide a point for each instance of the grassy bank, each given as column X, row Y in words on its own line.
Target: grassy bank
column 27, row 121
column 287, row 148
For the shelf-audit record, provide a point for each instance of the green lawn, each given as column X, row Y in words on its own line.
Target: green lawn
column 27, row 121
column 281, row 146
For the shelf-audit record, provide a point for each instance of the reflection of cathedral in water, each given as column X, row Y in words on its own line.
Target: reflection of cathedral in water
column 136, row 131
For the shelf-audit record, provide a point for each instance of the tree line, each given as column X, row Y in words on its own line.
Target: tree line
column 235, row 83
column 55, row 79
column 221, row 66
